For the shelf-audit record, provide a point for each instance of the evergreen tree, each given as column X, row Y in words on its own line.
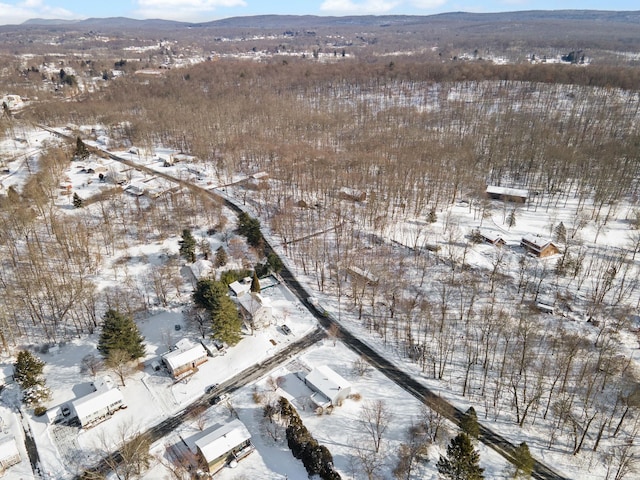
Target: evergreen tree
column 77, row 201
column 28, row 370
column 275, row 263
column 208, row 293
column 462, row 461
column 120, row 332
column 469, row 423
column 188, row 246
column 250, row 228
column 28, row 374
column 221, row 257
column 81, row 151
column 226, row 322
column 511, row 218
column 255, row 283
column 523, row 460
column 560, row 233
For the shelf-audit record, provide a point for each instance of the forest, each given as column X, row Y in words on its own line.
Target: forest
column 418, row 138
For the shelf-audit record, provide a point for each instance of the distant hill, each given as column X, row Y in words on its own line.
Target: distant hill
column 314, row 21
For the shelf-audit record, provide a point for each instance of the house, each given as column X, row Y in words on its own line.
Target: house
column 539, row 246
column 223, row 445
column 184, row 357
column 329, row 387
column 99, row 405
column 505, row 194
column 6, row 375
column 363, row 275
column 492, row 237
column 256, row 309
column 346, row 193
column 9, row 454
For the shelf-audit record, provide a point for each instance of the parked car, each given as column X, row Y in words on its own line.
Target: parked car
column 217, row 399
column 211, row 388
column 286, row 330
column 66, row 411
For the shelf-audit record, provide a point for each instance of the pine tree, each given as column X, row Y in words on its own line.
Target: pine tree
column 28, row 374
column 462, row 461
column 469, row 423
column 120, row 333
column 523, row 460
column 28, row 370
column 511, row 218
column 275, row 263
column 77, row 201
column 81, row 151
column 560, row 233
column 225, row 321
column 188, row 246
column 221, row 257
column 255, row 283
column 208, row 293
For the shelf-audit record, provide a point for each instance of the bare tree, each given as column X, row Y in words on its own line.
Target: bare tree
column 375, row 418
column 119, row 362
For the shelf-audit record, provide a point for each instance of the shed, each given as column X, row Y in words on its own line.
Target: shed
column 9, row 453
column 6, row 374
column 539, row 246
column 221, row 445
column 99, row 405
column 506, row 194
column 329, row 387
column 185, row 356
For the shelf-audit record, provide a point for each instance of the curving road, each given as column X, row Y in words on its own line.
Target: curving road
column 487, row 436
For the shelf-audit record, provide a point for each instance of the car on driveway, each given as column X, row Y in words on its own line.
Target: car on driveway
column 286, row 330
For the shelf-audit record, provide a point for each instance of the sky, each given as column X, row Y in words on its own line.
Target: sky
column 17, row 11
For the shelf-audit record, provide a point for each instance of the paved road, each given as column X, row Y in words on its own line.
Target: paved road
column 242, row 379
column 487, row 436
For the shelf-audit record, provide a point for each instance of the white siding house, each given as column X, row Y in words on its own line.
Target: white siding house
column 9, row 454
column 221, row 445
column 185, row 356
column 329, row 387
column 256, row 309
column 99, row 405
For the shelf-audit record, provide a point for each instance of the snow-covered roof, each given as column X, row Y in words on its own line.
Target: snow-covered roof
column 512, row 192
column 8, row 447
column 536, row 242
column 240, row 287
column 326, row 381
column 222, row 440
column 96, row 401
column 491, row 235
column 6, row 372
column 185, row 353
column 252, row 303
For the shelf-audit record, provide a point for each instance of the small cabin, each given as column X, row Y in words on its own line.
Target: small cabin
column 539, row 246
column 505, row 194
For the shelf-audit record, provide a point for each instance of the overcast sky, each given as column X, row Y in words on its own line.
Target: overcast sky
column 15, row 12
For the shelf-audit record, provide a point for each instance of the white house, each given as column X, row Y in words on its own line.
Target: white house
column 99, row 405
column 256, row 309
column 221, row 445
column 9, row 454
column 329, row 387
column 185, row 356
